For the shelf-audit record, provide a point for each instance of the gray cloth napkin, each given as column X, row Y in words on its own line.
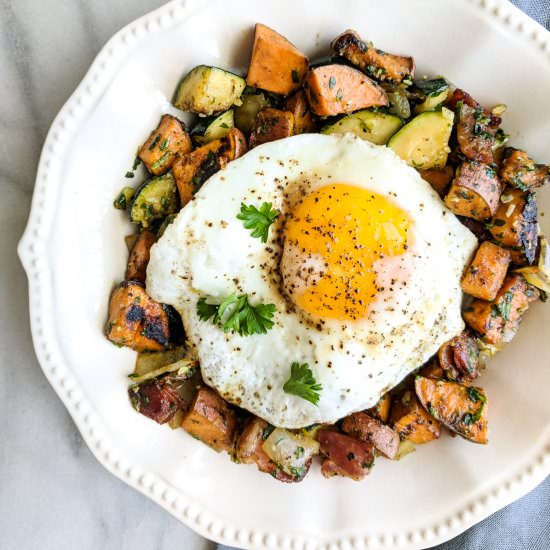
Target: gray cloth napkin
column 525, row 524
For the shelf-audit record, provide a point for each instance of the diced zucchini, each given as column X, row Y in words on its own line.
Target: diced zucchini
column 208, row 90
column 155, row 199
column 290, row 451
column 148, row 361
column 123, row 198
column 399, row 103
column 368, row 125
column 539, row 275
column 184, row 368
column 437, row 91
column 209, row 129
column 245, row 114
column 424, row 142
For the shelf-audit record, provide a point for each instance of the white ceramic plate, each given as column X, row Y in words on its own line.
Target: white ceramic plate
column 73, row 251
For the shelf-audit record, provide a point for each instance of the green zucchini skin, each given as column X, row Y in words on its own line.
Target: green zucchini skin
column 155, row 199
column 373, row 126
column 211, row 128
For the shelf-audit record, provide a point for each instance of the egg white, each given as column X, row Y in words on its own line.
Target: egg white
column 207, row 251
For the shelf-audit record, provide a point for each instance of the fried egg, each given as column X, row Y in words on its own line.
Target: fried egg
column 363, row 265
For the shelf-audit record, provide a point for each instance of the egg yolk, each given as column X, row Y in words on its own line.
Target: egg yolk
column 335, row 239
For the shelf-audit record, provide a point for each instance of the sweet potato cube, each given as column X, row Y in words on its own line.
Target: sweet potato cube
column 486, row 273
column 166, row 140
column 276, row 65
column 139, row 256
column 411, row 421
column 463, row 409
column 335, row 89
column 136, row 320
column 498, row 321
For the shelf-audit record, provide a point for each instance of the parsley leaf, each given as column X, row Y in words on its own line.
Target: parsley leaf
column 258, row 220
column 302, row 383
column 236, row 314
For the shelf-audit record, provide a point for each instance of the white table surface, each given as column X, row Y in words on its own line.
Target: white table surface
column 53, row 493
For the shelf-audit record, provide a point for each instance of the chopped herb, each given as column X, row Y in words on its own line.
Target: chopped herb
column 543, row 295
column 294, row 76
column 299, row 452
column 517, row 181
column 339, row 95
column 160, row 162
column 474, row 395
column 464, row 195
column 505, row 305
column 258, row 220
column 154, row 142
column 164, row 144
column 224, row 125
column 302, row 383
column 498, row 223
column 351, row 456
column 332, row 82
column 297, row 472
column 432, row 410
column 137, row 162
column 236, row 314
column 129, row 175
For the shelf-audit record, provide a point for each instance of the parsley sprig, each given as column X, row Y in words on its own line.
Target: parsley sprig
column 259, row 220
column 302, row 383
column 236, row 314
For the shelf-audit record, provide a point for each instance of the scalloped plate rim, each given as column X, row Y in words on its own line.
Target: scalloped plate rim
column 58, row 373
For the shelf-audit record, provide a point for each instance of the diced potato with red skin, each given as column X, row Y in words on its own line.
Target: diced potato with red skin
column 138, row 259
column 462, row 409
column 345, row 455
column 166, row 140
column 499, row 320
column 461, row 96
column 439, row 178
column 211, row 420
column 485, row 275
column 249, row 450
column 382, row 409
column 411, row 421
column 335, row 89
column 303, row 119
column 192, row 170
column 276, row 65
column 459, row 357
column 370, row 430
column 475, row 191
column 136, row 320
column 475, row 135
column 519, row 170
column 271, row 125
column 514, row 225
column 157, row 399
column 376, row 63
